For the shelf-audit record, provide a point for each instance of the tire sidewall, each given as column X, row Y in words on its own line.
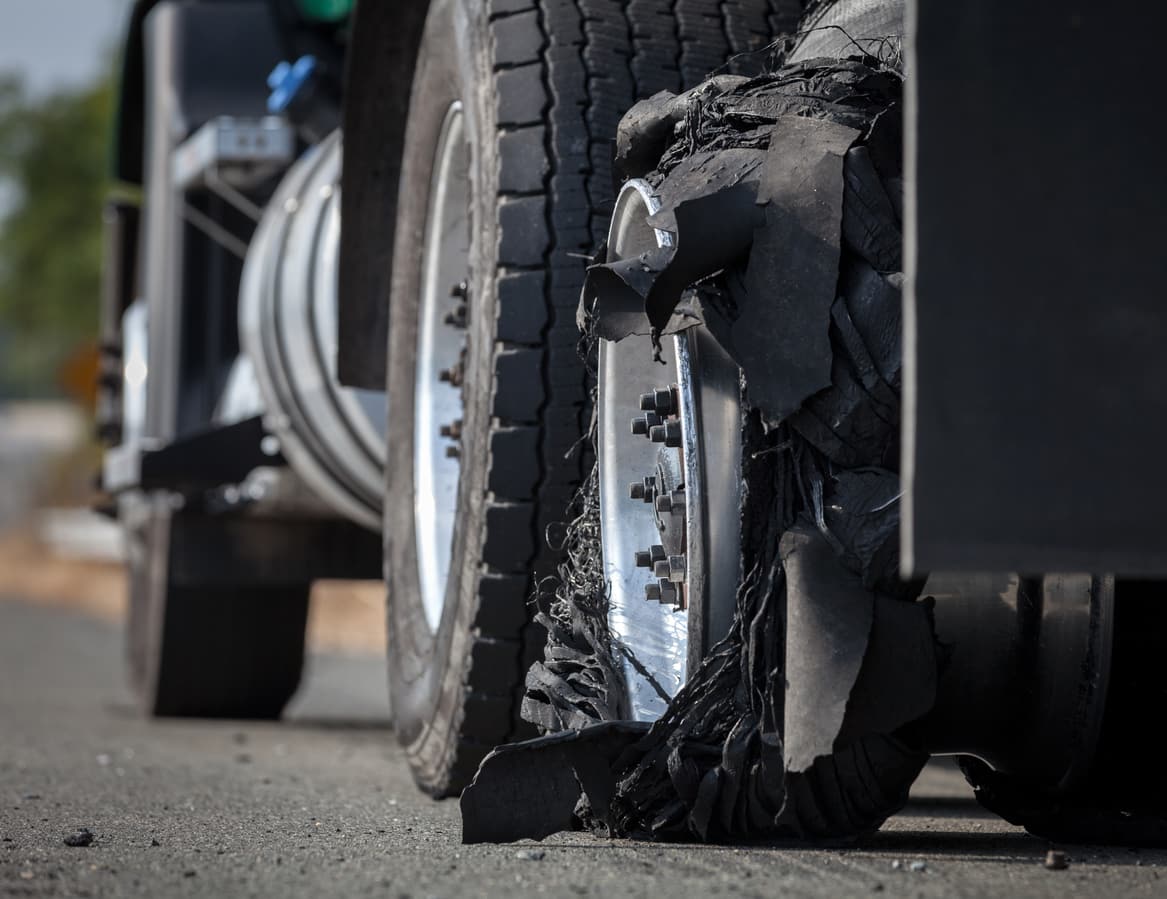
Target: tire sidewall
column 427, row 670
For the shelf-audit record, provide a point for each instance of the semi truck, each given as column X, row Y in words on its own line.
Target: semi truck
column 678, row 366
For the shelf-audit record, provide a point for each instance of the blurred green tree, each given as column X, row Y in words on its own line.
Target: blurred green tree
column 53, row 180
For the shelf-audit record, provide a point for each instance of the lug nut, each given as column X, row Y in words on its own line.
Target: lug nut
column 653, row 592
column 645, row 423
column 646, row 490
column 451, row 375
column 457, row 318
column 668, row 433
column 461, row 290
column 643, row 559
column 657, row 552
column 661, row 569
column 453, row 452
column 662, row 401
column 677, row 569
column 671, row 502
column 453, row 430
column 668, row 592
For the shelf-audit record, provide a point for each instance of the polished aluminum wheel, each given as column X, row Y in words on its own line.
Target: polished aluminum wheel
column 440, row 359
column 670, row 485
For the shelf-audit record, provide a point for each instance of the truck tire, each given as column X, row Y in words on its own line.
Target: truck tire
column 847, row 793
column 671, row 784
column 1121, row 799
column 200, row 645
column 534, row 90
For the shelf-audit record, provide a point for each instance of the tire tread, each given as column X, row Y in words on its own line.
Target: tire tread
column 565, row 71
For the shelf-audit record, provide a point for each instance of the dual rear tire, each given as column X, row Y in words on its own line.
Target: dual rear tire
column 539, row 87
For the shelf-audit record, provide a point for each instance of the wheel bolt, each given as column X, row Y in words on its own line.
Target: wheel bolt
column 453, row 452
column 643, row 559
column 453, row 430
column 645, row 490
column 668, row 433
column 645, row 423
column 662, row 401
column 461, row 290
column 457, row 318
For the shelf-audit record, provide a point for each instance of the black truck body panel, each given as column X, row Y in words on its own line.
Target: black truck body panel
column 1036, row 312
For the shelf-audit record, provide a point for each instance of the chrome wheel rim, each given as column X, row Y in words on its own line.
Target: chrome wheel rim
column 440, row 350
column 670, row 545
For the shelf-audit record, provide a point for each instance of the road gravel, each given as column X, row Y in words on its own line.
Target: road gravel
column 322, row 805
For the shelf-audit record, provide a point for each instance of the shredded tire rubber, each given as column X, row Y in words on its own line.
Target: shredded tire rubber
column 806, row 722
column 798, row 725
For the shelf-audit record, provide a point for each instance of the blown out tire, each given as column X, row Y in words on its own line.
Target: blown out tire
column 541, row 86
column 863, row 774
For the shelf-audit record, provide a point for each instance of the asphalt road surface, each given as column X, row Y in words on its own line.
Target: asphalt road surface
column 322, row 805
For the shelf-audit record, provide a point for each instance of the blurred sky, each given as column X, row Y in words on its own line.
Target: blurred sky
column 58, row 43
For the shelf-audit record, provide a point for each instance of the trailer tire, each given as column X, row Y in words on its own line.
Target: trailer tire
column 1121, row 799
column 198, row 646
column 542, row 86
column 798, row 470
